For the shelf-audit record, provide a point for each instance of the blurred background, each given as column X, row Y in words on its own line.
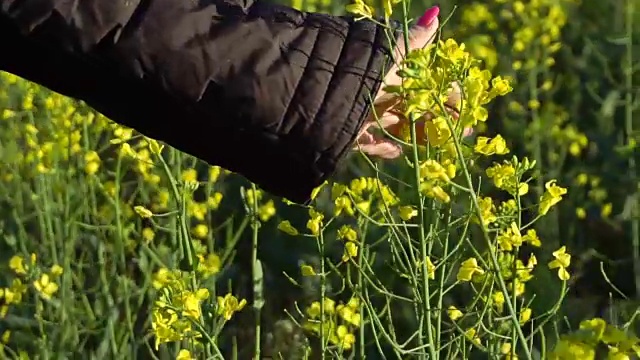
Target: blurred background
column 575, row 66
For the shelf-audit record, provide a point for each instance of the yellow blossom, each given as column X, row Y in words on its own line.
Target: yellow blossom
column 148, row 235
column 350, row 251
column 45, row 286
column 468, row 269
column 143, row 212
column 454, row 313
column 210, row 265
column 286, row 227
column 56, row 270
column 228, row 305
column 407, row 212
column 185, row 355
column 307, row 270
column 525, row 316
column 347, row 233
column 552, row 196
column 16, row 263
column 487, row 146
column 200, row 231
column 561, row 262
column 315, row 221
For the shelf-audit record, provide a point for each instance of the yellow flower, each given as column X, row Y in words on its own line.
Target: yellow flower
column 307, row 270
column 572, row 349
column 286, row 227
column 582, row 179
column 407, row 212
column 361, row 9
column 350, row 251
column 498, row 300
column 468, row 268
column 505, row 348
column 487, row 209
column 532, row 238
column 343, row 204
column 56, row 270
column 315, row 221
column 155, row 146
column 185, row 355
column 349, row 312
column 266, row 211
column 45, row 286
column 346, row 232
column 162, row 278
column 487, row 146
column 214, row 201
column 92, row 162
column 561, row 262
column 552, row 196
column 190, row 175
column 16, row 263
column 148, row 234
column 316, row 191
column 472, row 335
column 191, row 303
column 437, row 131
column 454, row 313
column 143, row 212
column 347, row 339
column 525, row 315
column 510, row 238
column 228, row 305
column 210, row 265
column 431, row 269
column 200, row 231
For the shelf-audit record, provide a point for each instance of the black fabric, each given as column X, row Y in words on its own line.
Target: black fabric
column 272, row 93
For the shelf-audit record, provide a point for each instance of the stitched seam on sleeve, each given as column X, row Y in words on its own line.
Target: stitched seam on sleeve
column 287, row 112
column 375, row 54
column 330, row 87
column 364, row 80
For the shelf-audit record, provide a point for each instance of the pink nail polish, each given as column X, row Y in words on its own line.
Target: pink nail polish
column 429, row 16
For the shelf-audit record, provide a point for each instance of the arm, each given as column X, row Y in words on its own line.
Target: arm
column 269, row 92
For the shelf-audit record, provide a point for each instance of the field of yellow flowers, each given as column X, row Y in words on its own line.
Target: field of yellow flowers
column 521, row 241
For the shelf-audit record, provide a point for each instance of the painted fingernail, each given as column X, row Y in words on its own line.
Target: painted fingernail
column 429, row 16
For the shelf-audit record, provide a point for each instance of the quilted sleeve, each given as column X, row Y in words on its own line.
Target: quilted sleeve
column 272, row 93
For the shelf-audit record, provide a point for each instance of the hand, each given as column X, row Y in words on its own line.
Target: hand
column 385, row 104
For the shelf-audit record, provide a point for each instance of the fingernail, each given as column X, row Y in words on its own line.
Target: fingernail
column 429, row 16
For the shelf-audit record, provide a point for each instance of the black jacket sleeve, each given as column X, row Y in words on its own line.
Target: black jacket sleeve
column 272, row 93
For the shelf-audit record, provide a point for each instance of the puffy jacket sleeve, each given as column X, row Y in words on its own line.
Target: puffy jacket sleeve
column 272, row 93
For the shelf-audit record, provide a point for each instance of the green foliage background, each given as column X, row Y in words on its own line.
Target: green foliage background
column 576, row 118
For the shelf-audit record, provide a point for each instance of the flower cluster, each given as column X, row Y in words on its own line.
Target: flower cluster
column 593, row 333
column 336, row 322
column 178, row 311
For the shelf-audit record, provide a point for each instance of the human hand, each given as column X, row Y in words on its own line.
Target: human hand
column 385, row 104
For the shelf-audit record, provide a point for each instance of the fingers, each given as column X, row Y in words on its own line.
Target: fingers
column 421, row 35
column 453, row 102
column 382, row 148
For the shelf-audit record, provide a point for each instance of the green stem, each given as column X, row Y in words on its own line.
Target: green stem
column 426, row 308
column 258, row 300
column 492, row 254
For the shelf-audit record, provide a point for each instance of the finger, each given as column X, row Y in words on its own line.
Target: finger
column 420, row 36
column 382, row 148
column 453, row 101
column 387, row 119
